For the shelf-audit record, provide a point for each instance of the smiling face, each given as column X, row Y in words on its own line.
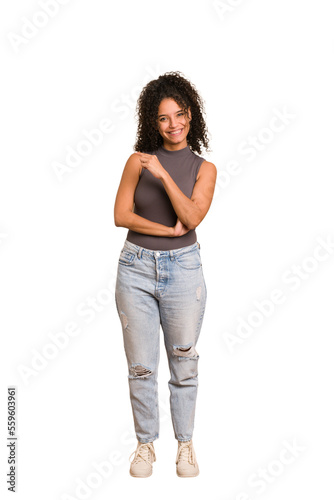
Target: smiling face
column 173, row 124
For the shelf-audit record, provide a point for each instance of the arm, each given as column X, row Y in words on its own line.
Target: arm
column 123, row 209
column 192, row 211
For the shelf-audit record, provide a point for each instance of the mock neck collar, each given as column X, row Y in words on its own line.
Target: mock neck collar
column 175, row 154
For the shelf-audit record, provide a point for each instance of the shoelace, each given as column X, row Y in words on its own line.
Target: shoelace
column 186, row 452
column 143, row 452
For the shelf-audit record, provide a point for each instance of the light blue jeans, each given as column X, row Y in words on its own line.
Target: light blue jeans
column 166, row 288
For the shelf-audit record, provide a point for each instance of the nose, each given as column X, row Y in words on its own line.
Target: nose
column 172, row 122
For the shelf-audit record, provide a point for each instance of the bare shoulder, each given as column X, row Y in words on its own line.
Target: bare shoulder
column 207, row 169
column 133, row 164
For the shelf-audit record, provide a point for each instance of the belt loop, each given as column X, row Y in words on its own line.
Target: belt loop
column 198, row 245
column 140, row 251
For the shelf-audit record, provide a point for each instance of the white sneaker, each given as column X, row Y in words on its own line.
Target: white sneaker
column 186, row 464
column 141, row 465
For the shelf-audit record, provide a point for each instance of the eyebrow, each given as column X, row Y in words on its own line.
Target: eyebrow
column 174, row 113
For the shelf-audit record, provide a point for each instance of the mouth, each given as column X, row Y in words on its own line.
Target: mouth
column 176, row 132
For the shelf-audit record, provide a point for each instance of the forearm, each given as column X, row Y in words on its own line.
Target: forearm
column 186, row 210
column 139, row 224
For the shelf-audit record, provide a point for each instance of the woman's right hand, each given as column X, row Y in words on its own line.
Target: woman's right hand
column 180, row 229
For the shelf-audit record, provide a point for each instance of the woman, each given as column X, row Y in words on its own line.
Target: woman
column 165, row 191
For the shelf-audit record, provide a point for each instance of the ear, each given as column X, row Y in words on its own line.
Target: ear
column 189, row 113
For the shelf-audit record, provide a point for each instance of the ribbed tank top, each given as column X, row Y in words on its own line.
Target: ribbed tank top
column 152, row 202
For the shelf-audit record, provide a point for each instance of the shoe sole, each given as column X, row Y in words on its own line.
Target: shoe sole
column 183, row 475
column 137, row 475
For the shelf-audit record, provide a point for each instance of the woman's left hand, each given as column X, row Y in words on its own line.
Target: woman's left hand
column 151, row 163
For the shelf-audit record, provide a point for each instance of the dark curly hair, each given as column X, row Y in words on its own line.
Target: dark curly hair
column 170, row 85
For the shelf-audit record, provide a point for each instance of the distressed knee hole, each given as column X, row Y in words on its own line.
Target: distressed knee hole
column 185, row 351
column 198, row 292
column 124, row 320
column 139, row 371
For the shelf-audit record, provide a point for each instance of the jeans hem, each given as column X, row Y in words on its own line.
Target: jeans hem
column 184, row 440
column 149, row 440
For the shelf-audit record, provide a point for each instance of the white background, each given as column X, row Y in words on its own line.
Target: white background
column 59, row 246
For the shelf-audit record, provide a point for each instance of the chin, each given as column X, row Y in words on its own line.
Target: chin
column 177, row 140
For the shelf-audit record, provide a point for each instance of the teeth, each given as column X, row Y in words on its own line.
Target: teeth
column 175, row 133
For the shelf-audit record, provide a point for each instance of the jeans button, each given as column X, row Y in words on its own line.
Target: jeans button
column 157, row 254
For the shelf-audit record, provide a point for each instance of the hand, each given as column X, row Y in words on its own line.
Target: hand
column 180, row 229
column 151, row 163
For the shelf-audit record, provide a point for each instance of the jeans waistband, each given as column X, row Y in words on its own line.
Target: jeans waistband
column 170, row 253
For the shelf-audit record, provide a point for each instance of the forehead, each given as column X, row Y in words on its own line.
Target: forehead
column 168, row 105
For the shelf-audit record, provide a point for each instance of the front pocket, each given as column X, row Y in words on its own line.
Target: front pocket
column 126, row 258
column 189, row 260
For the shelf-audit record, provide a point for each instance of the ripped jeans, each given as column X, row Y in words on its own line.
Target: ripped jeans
column 166, row 288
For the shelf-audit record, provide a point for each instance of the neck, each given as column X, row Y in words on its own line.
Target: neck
column 182, row 152
column 175, row 147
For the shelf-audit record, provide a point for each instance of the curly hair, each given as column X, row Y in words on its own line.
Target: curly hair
column 170, row 85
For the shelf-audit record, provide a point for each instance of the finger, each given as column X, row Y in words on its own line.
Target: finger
column 143, row 156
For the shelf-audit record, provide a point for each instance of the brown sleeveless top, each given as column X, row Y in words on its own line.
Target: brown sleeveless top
column 153, row 203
